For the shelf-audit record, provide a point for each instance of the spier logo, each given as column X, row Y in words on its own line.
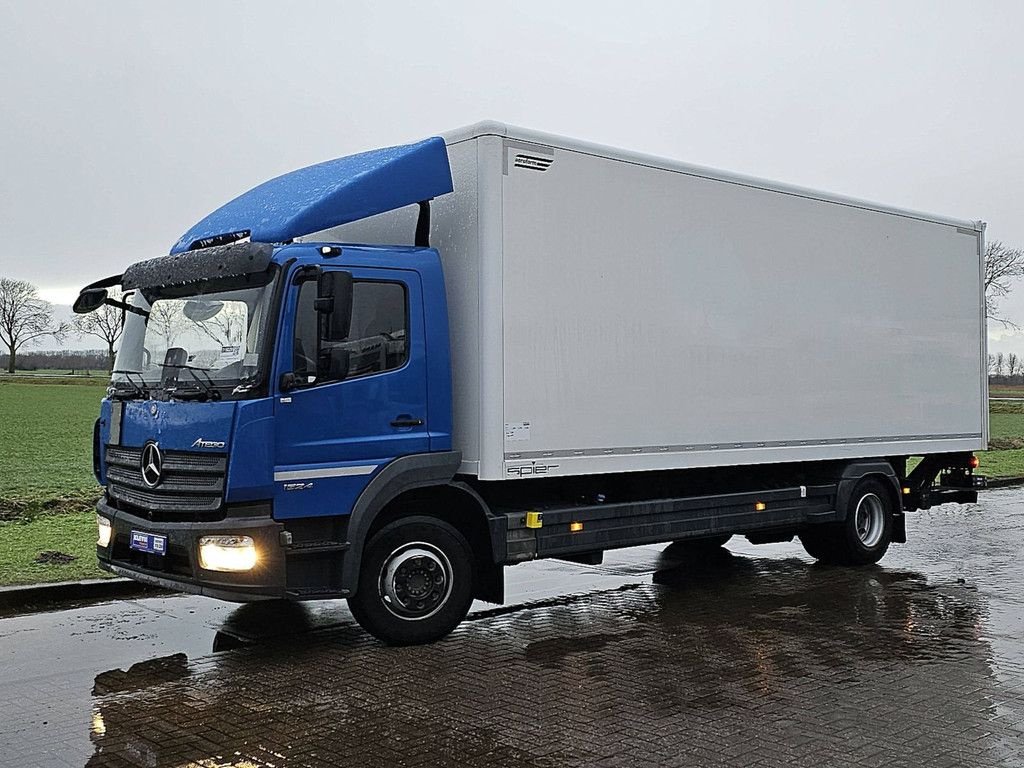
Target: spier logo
column 531, row 470
column 200, row 443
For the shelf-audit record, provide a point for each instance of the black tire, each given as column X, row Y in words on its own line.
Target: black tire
column 415, row 582
column 863, row 536
column 705, row 544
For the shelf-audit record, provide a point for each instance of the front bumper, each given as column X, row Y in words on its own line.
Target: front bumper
column 179, row 568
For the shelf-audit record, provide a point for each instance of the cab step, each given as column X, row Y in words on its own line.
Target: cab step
column 316, row 547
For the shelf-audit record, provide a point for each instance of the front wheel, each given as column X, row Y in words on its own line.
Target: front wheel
column 415, row 582
column 864, row 534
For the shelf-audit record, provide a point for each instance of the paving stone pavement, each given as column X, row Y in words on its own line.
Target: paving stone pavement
column 733, row 660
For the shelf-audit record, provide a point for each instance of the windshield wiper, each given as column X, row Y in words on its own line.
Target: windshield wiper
column 139, row 390
column 207, row 388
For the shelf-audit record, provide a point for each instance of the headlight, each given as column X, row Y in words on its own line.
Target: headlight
column 227, row 553
column 103, row 526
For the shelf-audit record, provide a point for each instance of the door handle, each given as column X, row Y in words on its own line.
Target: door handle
column 406, row 421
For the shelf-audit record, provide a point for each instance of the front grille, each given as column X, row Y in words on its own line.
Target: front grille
column 191, row 485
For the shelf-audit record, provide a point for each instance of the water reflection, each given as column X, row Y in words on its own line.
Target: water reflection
column 724, row 655
column 264, row 621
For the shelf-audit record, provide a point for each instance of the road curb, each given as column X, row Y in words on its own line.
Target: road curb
column 1004, row 482
column 28, row 596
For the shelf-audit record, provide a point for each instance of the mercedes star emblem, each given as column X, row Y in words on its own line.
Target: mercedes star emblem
column 152, row 465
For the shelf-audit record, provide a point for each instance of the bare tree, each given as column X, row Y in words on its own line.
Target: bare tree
column 1003, row 265
column 25, row 319
column 166, row 317
column 1012, row 364
column 1000, row 364
column 228, row 325
column 991, row 364
column 106, row 323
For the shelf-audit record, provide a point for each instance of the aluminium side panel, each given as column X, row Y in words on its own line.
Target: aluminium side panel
column 654, row 319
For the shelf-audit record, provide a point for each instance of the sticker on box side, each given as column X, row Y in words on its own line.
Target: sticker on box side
column 517, row 431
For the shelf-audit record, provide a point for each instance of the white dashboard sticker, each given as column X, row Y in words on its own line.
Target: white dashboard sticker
column 230, row 353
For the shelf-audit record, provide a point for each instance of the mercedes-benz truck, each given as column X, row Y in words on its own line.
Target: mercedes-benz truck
column 388, row 376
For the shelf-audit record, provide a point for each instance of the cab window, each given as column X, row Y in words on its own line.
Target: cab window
column 378, row 339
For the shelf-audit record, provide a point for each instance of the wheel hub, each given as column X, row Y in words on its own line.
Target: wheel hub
column 416, row 580
column 869, row 518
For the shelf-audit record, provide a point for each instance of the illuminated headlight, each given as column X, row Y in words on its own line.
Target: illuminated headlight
column 227, row 553
column 103, row 526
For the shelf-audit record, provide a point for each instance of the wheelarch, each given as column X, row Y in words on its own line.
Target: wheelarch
column 423, row 486
column 879, row 470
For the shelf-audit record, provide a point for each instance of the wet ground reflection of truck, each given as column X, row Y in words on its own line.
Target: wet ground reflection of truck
column 737, row 643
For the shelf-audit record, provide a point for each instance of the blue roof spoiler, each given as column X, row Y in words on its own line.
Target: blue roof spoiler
column 328, row 195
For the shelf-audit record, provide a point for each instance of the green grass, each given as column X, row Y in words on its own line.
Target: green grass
column 1001, row 463
column 94, row 379
column 71, row 534
column 47, row 490
column 46, row 440
column 1005, row 390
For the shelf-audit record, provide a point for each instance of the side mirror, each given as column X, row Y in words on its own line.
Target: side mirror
column 334, row 304
column 89, row 300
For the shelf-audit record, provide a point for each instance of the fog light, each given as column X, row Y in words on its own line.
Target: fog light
column 103, row 526
column 227, row 553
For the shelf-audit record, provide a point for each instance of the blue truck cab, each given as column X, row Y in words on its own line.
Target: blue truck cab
column 271, row 399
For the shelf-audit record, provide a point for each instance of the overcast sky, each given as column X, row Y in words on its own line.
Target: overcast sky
column 123, row 123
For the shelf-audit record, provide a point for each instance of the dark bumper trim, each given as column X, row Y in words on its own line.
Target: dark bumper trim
column 266, row 581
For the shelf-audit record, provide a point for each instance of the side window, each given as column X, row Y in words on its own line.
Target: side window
column 378, row 339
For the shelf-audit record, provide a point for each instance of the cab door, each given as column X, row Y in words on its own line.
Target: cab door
column 332, row 437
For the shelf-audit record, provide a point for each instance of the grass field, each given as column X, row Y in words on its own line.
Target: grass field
column 47, row 490
column 1005, row 390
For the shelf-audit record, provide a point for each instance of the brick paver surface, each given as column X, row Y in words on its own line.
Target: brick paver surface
column 738, row 660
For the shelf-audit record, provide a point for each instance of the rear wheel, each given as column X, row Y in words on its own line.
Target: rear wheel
column 415, row 582
column 863, row 536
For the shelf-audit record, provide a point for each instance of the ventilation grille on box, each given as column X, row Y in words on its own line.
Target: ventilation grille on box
column 533, row 162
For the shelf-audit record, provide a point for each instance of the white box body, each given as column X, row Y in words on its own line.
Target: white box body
column 615, row 312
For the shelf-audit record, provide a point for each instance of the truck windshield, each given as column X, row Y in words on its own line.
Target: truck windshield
column 204, row 341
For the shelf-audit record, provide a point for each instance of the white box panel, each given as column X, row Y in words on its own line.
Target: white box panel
column 640, row 314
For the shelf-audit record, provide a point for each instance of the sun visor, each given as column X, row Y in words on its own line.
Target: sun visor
column 327, row 195
column 225, row 261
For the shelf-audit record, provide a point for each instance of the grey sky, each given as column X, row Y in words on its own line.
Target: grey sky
column 123, row 123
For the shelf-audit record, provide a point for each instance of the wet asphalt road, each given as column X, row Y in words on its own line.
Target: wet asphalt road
column 754, row 657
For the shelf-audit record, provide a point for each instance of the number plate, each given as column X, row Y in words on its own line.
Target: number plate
column 153, row 543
